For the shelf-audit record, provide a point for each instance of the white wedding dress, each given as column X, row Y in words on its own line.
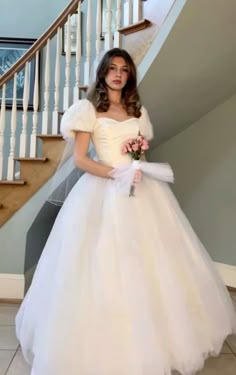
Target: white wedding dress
column 123, row 286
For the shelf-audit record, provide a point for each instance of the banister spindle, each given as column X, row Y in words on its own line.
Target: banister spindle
column 117, row 35
column 137, row 10
column 33, row 139
column 98, row 27
column 46, row 90
column 57, row 84
column 66, row 96
column 108, row 33
column 128, row 16
column 88, row 43
column 10, row 169
column 77, row 55
column 2, row 128
column 23, row 136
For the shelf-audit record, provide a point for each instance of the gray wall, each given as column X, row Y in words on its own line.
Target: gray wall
column 204, row 161
column 27, row 18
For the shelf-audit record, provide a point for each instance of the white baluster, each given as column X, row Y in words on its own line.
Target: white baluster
column 108, row 34
column 10, row 169
column 46, row 90
column 23, row 136
column 77, row 56
column 117, row 35
column 88, row 43
column 2, row 128
column 33, row 139
column 66, row 97
column 137, row 11
column 98, row 27
column 57, row 85
column 128, row 13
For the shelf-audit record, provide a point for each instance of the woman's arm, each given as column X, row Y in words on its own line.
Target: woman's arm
column 83, row 162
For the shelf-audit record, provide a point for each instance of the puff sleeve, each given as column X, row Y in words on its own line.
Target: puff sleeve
column 80, row 116
column 146, row 128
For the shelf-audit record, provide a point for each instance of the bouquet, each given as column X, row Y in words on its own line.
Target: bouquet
column 136, row 148
column 125, row 175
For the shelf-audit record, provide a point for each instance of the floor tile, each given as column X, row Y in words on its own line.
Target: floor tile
column 231, row 341
column 5, row 359
column 8, row 338
column 225, row 364
column 18, row 365
column 7, row 314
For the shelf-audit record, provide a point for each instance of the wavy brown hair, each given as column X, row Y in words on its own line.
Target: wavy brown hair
column 98, row 93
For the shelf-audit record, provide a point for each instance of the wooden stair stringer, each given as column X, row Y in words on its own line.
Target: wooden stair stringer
column 35, row 175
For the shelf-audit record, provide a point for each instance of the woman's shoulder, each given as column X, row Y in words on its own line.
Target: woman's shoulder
column 82, row 105
column 80, row 116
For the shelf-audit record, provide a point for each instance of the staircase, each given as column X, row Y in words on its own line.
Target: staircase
column 30, row 151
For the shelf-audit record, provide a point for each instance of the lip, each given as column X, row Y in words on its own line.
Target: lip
column 117, row 81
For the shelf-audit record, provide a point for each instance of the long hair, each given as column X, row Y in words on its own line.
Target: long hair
column 98, row 93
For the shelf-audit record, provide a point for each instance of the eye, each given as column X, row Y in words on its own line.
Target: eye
column 112, row 67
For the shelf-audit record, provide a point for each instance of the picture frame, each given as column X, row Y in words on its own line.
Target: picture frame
column 11, row 49
column 73, row 33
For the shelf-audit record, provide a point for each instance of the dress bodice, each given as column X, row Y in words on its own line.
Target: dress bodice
column 108, row 135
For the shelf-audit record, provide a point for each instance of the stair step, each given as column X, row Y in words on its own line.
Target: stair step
column 50, row 136
column 140, row 25
column 14, row 182
column 39, row 160
column 83, row 88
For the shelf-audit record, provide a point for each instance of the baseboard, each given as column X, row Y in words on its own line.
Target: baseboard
column 11, row 286
column 228, row 273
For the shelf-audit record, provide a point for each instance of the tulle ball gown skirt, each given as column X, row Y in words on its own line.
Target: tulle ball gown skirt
column 123, row 287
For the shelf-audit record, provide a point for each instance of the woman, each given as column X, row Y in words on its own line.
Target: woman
column 124, row 286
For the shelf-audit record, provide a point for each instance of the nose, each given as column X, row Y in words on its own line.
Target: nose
column 118, row 73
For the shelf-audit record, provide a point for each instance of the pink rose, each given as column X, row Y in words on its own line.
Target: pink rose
column 144, row 145
column 135, row 147
column 140, row 138
column 124, row 149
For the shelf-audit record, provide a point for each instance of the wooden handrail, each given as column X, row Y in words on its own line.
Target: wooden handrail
column 41, row 42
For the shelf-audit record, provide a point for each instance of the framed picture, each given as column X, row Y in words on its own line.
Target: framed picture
column 73, row 34
column 11, row 49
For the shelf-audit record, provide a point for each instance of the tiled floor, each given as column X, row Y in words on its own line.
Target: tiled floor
column 12, row 362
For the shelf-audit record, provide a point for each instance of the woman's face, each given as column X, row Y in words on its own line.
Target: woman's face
column 118, row 74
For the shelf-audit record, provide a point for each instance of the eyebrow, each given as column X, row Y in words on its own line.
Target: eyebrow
column 123, row 66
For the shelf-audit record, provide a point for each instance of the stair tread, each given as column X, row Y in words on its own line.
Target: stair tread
column 140, row 25
column 83, row 87
column 50, row 136
column 32, row 159
column 14, row 182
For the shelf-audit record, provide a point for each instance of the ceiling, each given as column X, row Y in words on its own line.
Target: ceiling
column 195, row 69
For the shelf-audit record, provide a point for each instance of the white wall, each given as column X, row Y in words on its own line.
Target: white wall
column 204, row 160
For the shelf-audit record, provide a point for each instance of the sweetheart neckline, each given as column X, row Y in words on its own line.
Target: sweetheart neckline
column 112, row 119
